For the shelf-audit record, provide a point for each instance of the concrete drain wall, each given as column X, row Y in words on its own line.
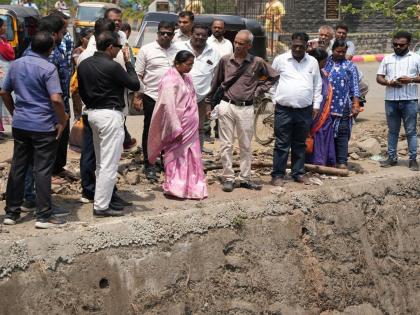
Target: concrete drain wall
column 352, row 250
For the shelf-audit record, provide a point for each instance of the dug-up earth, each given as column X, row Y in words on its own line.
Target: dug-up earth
column 347, row 245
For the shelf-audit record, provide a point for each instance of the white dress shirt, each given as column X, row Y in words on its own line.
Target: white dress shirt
column 224, row 47
column 300, row 83
column 91, row 49
column 394, row 67
column 180, row 37
column 151, row 64
column 203, row 68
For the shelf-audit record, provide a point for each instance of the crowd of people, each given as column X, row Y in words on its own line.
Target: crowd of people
column 179, row 81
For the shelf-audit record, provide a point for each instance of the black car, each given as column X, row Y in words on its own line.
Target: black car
column 233, row 24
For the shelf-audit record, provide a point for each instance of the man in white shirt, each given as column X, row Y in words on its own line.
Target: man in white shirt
column 217, row 41
column 153, row 60
column 400, row 73
column 297, row 97
column 30, row 4
column 224, row 47
column 205, row 62
column 185, row 23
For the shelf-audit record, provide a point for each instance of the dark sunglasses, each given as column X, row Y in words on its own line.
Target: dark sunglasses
column 118, row 46
column 169, row 34
column 398, row 45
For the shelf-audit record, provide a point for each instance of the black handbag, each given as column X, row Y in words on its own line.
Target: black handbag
column 225, row 86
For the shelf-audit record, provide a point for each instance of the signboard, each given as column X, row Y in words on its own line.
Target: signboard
column 332, row 9
column 162, row 7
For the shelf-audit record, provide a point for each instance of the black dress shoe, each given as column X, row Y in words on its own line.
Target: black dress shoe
column 150, row 173
column 107, row 213
column 118, row 200
column 250, row 185
column 413, row 165
column 115, row 206
column 228, row 186
column 388, row 162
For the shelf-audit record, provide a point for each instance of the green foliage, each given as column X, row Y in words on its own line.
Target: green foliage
column 404, row 13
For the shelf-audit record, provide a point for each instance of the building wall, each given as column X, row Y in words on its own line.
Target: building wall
column 309, row 15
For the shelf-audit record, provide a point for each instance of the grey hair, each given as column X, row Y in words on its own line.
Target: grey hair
column 249, row 34
column 328, row 28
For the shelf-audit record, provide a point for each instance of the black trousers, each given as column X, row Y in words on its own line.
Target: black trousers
column 291, row 127
column 87, row 161
column 148, row 107
column 61, row 157
column 41, row 149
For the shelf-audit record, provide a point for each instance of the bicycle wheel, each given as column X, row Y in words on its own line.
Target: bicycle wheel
column 264, row 122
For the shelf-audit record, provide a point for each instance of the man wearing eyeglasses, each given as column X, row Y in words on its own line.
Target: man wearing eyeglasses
column 105, row 102
column 400, row 73
column 153, row 60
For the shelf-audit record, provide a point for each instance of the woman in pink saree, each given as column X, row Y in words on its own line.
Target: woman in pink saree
column 174, row 130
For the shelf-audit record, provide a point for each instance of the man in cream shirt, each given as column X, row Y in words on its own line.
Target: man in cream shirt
column 206, row 61
column 297, row 96
column 153, row 60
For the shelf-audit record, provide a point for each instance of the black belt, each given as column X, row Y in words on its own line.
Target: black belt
column 244, row 103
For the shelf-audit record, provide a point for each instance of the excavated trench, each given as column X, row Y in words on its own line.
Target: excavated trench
column 349, row 249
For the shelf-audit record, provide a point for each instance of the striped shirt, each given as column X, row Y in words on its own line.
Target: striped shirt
column 394, row 67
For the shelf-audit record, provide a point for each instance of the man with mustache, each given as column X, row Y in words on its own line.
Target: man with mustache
column 400, row 73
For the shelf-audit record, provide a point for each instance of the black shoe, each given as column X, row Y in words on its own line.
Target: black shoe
column 115, row 206
column 11, row 218
column 59, row 212
column 413, row 165
column 118, row 200
column 250, row 185
column 28, row 206
column 107, row 213
column 228, row 186
column 389, row 162
column 52, row 221
column 150, row 173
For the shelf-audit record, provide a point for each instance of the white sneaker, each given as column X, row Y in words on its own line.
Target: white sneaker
column 85, row 200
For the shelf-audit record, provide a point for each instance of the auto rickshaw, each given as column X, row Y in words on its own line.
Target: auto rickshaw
column 86, row 15
column 22, row 23
column 233, row 24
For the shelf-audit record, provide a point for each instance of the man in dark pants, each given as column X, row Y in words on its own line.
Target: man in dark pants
column 55, row 26
column 153, row 60
column 297, row 97
column 38, row 122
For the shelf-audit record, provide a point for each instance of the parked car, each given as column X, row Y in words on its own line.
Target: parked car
column 233, row 24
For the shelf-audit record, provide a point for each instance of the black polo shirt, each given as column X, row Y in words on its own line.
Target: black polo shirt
column 102, row 82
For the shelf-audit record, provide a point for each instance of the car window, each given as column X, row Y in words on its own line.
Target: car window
column 90, row 13
column 9, row 32
column 147, row 33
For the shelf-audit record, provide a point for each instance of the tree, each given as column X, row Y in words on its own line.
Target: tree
column 404, row 13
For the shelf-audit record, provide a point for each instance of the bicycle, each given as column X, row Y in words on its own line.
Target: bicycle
column 264, row 120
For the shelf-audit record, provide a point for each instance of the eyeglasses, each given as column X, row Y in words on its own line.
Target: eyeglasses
column 398, row 45
column 117, row 46
column 169, row 34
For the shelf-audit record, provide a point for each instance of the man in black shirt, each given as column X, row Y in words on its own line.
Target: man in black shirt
column 101, row 87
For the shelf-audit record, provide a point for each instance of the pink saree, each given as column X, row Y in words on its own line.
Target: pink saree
column 174, row 130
